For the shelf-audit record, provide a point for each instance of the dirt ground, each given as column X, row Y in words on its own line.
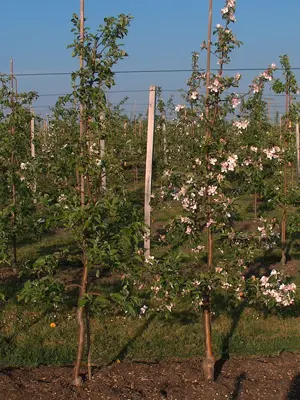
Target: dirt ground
column 273, row 378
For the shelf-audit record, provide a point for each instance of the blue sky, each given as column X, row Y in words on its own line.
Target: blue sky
column 162, row 36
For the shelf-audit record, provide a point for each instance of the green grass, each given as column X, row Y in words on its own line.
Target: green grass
column 27, row 339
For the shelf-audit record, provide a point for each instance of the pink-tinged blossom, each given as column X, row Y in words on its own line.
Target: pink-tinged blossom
column 212, row 190
column 231, row 3
column 266, row 76
column 167, row 173
column 272, row 153
column 198, row 249
column 185, row 220
column 169, row 307
column 213, row 161
column 241, row 124
column 194, row 95
column 202, row 191
column 253, row 148
column 247, row 162
column 224, row 10
column 143, row 310
column 235, row 101
column 220, row 177
column 288, row 288
column 188, row 230
column 255, row 88
column 273, row 66
column 262, row 231
column 230, row 164
column 210, row 222
column 237, row 77
column 179, row 107
column 215, row 86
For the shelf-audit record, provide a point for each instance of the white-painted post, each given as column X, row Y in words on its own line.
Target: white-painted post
column 32, row 146
column 102, row 152
column 148, row 174
column 298, row 151
column 164, row 139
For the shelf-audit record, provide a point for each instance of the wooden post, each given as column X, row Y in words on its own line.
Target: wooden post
column 298, row 151
column 164, row 140
column 148, row 174
column 82, row 191
column 102, row 154
column 32, row 147
column 14, row 190
column 209, row 361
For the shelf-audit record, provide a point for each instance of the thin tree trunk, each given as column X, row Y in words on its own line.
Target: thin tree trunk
column 88, row 343
column 81, row 322
column 83, row 287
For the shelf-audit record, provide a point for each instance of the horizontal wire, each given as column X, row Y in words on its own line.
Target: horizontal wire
column 149, row 71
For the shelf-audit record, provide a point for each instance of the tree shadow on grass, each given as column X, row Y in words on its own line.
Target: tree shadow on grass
column 123, row 352
column 226, row 341
column 8, row 344
column 294, row 390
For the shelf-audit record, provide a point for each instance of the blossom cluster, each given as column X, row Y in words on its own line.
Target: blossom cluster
column 266, row 76
column 241, row 125
column 228, row 11
column 273, row 288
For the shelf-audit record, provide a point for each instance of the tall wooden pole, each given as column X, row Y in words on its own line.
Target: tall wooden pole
column 32, row 145
column 81, row 110
column 298, row 151
column 284, row 214
column 164, row 139
column 209, row 361
column 148, row 174
column 14, row 190
column 102, row 155
column 32, row 135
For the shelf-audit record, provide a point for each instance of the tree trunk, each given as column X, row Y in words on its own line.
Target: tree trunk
column 81, row 323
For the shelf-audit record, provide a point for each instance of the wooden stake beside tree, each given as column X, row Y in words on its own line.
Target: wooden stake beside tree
column 209, row 361
column 298, row 151
column 148, row 174
column 32, row 145
column 289, row 87
column 13, row 161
